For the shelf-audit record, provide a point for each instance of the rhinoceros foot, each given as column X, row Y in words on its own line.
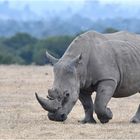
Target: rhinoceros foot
column 135, row 120
column 104, row 118
column 87, row 120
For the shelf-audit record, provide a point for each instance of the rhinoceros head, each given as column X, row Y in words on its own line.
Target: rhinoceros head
column 65, row 91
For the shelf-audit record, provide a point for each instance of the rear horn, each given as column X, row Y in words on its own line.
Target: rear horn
column 51, row 58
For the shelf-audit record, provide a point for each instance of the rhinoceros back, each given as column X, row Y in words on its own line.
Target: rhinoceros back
column 127, row 56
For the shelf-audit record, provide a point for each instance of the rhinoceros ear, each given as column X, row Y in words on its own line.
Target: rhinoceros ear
column 51, row 59
column 76, row 60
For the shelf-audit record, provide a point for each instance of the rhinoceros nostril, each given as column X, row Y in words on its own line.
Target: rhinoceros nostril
column 51, row 116
column 49, row 97
column 63, row 117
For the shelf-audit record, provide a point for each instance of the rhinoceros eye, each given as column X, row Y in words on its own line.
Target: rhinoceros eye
column 66, row 93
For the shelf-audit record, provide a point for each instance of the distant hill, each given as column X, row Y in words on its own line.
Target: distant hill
column 67, row 19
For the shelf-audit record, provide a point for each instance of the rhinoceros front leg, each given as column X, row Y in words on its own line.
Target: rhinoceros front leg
column 136, row 118
column 87, row 103
column 105, row 91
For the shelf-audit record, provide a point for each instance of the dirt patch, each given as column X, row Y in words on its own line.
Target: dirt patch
column 21, row 117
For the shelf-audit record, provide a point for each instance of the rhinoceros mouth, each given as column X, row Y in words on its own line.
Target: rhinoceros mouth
column 57, row 117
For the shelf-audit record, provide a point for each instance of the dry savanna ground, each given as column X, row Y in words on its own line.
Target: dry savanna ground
column 21, row 117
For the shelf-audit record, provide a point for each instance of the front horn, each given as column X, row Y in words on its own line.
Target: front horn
column 47, row 104
column 51, row 59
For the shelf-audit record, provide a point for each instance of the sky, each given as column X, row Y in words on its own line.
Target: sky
column 81, row 1
column 40, row 5
column 104, row 1
column 121, row 1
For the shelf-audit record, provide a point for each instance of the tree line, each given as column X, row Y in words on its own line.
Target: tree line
column 25, row 49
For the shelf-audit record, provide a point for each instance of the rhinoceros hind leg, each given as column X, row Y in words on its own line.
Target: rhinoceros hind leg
column 87, row 103
column 136, row 118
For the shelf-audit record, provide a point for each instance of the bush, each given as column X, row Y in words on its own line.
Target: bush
column 10, row 59
column 26, row 53
column 19, row 40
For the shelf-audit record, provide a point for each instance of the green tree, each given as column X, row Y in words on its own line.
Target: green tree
column 26, row 53
column 39, row 56
column 110, row 30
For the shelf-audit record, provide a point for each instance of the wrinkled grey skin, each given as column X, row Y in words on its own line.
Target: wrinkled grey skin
column 108, row 64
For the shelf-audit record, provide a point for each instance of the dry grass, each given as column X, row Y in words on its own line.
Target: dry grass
column 21, row 117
